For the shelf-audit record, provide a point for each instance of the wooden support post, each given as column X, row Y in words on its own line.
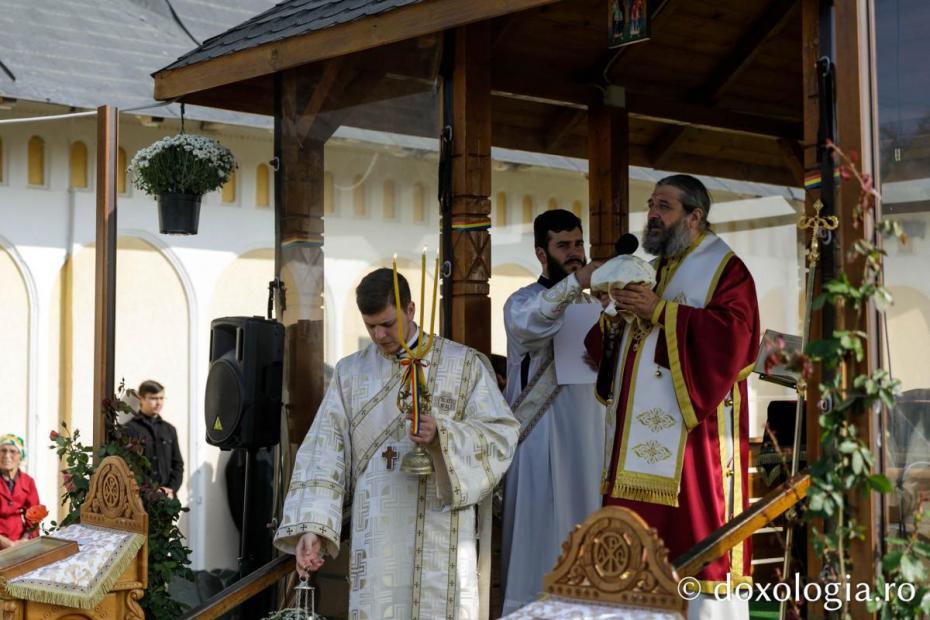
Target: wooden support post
column 852, row 104
column 299, row 255
column 471, row 186
column 810, row 52
column 608, row 177
column 105, row 267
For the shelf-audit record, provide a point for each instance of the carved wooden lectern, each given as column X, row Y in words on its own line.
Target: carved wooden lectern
column 114, row 527
column 613, row 566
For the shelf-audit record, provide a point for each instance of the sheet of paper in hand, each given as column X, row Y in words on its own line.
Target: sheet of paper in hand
column 570, row 367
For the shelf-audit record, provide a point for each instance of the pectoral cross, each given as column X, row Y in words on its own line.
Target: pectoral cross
column 389, row 455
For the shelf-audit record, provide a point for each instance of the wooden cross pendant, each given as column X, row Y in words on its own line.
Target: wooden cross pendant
column 389, row 455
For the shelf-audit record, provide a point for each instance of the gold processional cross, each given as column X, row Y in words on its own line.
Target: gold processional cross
column 817, row 223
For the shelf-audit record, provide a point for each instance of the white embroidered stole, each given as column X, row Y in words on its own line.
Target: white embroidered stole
column 542, row 388
column 659, row 413
column 376, row 420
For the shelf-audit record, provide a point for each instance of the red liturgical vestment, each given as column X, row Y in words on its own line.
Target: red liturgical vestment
column 687, row 369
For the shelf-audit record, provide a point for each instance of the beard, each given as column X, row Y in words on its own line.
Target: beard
column 557, row 271
column 659, row 240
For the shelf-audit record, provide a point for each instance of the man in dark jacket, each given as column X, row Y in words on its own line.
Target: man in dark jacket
column 159, row 438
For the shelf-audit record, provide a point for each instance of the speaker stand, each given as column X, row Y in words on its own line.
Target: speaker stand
column 246, row 561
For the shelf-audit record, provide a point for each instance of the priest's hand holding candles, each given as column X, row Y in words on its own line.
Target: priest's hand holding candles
column 413, row 384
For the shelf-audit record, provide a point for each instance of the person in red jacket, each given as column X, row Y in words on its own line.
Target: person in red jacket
column 17, row 493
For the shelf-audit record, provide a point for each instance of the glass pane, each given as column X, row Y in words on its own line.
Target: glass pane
column 904, row 134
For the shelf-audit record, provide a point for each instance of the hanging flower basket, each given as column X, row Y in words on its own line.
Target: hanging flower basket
column 179, row 170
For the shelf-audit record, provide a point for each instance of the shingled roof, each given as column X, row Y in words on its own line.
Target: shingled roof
column 86, row 53
column 285, row 20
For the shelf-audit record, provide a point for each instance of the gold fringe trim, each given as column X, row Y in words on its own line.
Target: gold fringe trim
column 637, row 493
column 54, row 595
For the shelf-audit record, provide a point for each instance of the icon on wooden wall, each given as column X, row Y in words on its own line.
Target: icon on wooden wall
column 629, row 22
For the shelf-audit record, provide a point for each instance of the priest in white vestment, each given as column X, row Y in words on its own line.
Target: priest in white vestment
column 413, row 542
column 553, row 483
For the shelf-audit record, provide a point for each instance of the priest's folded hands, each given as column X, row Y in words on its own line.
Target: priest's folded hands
column 308, row 554
column 427, row 429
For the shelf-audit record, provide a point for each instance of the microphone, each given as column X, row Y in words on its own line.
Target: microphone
column 626, row 244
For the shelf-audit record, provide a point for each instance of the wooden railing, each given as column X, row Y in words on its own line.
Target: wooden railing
column 244, row 589
column 759, row 515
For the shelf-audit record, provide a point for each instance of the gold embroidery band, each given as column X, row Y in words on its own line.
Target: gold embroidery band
column 678, row 377
column 534, row 400
column 418, row 548
column 637, row 485
column 396, row 422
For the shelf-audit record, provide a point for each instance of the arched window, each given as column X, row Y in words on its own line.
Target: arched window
column 419, row 203
column 121, row 170
column 36, row 161
column 358, row 196
column 577, row 208
column 263, row 186
column 527, row 209
column 229, row 189
column 387, row 199
column 552, row 204
column 501, row 209
column 77, row 165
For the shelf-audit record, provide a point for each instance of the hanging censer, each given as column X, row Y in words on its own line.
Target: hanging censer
column 305, row 605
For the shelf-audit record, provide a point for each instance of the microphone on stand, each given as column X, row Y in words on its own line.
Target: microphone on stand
column 626, row 244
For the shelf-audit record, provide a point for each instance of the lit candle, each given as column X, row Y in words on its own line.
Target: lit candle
column 400, row 314
column 421, row 346
column 432, row 316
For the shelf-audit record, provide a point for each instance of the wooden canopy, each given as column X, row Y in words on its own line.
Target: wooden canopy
column 717, row 90
column 722, row 87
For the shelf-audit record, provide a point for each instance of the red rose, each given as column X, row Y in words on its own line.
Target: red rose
column 53, row 435
column 35, row 514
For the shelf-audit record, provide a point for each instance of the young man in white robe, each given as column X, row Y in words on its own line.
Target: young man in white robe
column 553, row 483
column 413, row 543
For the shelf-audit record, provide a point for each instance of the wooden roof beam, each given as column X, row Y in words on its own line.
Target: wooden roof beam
column 563, row 124
column 678, row 112
column 553, row 91
column 663, row 147
column 400, row 24
column 772, row 21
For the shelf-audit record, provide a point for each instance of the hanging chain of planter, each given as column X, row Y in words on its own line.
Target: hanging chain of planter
column 178, row 171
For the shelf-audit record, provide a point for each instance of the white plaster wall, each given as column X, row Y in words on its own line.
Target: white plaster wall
column 14, row 342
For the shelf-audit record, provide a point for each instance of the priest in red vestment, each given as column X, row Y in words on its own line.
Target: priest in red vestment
column 674, row 382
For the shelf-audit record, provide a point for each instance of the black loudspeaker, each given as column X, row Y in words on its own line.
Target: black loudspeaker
column 243, row 398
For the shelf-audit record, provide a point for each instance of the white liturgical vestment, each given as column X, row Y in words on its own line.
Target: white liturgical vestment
column 413, row 543
column 554, row 481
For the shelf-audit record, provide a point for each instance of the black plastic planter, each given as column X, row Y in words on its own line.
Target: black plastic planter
column 178, row 214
